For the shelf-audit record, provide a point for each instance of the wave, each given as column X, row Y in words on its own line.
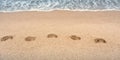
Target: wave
column 49, row 5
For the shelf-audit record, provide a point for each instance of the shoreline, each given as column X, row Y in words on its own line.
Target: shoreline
column 19, row 11
column 106, row 10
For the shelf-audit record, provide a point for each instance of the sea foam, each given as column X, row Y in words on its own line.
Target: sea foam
column 49, row 5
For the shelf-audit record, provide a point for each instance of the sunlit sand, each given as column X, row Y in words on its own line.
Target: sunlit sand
column 60, row 35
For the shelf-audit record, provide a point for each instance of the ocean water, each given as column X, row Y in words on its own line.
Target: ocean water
column 49, row 5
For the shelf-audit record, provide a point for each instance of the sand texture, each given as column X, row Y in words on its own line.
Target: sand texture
column 60, row 35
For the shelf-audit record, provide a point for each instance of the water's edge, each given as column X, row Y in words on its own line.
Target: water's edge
column 51, row 5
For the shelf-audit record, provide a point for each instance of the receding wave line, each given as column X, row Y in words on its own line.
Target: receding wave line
column 49, row 5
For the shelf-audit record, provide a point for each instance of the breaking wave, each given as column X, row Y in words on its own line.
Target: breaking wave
column 49, row 5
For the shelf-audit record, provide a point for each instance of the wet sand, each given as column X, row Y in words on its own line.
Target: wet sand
column 95, row 35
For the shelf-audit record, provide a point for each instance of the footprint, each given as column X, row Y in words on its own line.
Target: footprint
column 98, row 40
column 6, row 38
column 52, row 36
column 30, row 38
column 74, row 37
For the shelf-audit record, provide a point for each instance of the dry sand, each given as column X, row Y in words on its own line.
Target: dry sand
column 86, row 25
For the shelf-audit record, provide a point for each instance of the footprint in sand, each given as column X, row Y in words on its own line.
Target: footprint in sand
column 52, row 36
column 98, row 40
column 6, row 38
column 74, row 37
column 30, row 38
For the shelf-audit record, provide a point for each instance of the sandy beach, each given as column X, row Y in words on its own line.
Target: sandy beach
column 86, row 25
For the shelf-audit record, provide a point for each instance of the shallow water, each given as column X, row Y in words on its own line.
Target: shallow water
column 48, row 5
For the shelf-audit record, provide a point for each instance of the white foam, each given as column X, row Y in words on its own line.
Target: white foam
column 51, row 5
